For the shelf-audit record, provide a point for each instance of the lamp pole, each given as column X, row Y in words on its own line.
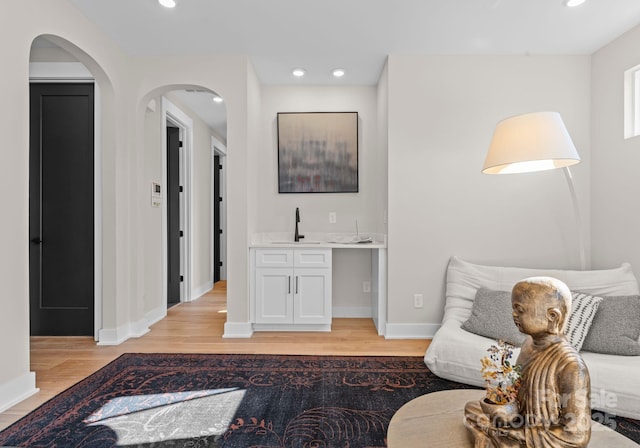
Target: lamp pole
column 578, row 217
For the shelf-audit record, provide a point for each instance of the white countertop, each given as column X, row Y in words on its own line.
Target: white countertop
column 320, row 240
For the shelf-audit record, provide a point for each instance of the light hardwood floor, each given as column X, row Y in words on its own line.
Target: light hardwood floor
column 195, row 327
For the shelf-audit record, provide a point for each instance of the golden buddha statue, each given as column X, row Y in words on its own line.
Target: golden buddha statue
column 554, row 396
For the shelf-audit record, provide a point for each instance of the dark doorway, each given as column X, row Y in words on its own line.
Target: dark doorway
column 217, row 229
column 61, row 209
column 174, row 233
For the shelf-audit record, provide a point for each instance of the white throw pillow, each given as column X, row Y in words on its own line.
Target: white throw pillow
column 583, row 310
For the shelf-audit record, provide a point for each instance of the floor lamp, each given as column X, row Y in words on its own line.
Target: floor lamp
column 531, row 142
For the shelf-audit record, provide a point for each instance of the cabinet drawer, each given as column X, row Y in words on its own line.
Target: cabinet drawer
column 274, row 258
column 312, row 258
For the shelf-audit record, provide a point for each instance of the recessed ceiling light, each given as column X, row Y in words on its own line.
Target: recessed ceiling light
column 573, row 3
column 168, row 3
column 217, row 99
column 338, row 72
column 298, row 72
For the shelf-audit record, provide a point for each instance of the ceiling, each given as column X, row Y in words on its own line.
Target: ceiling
column 357, row 35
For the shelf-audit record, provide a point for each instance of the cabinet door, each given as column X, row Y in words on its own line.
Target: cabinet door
column 312, row 296
column 274, row 295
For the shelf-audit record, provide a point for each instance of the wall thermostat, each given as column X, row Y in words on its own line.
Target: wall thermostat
column 156, row 194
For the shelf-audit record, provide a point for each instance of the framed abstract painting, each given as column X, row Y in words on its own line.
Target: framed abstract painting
column 317, row 152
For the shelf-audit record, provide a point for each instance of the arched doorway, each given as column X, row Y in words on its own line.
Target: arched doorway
column 196, row 119
column 57, row 64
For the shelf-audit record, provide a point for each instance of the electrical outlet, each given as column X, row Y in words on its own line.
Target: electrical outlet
column 418, row 301
column 366, row 286
column 332, row 217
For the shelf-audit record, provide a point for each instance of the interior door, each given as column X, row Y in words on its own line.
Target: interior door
column 61, row 209
column 174, row 233
column 217, row 229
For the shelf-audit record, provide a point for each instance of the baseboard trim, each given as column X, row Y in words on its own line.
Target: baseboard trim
column 17, row 390
column 156, row 315
column 292, row 327
column 352, row 312
column 411, row 331
column 237, row 330
column 116, row 336
column 201, row 290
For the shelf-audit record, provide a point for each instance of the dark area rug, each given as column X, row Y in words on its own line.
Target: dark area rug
column 241, row 401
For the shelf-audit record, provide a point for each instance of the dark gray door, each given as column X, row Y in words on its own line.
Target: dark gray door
column 217, row 229
column 174, row 233
column 61, row 210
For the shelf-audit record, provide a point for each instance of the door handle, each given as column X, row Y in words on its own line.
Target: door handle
column 289, row 281
column 36, row 240
column 296, row 284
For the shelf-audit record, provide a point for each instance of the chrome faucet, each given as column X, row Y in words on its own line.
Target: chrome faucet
column 297, row 235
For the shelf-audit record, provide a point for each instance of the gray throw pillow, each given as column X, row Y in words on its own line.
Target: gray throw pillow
column 491, row 317
column 616, row 327
column 583, row 310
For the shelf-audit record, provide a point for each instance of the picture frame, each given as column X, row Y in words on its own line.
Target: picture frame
column 317, row 152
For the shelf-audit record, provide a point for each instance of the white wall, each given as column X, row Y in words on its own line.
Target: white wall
column 276, row 212
column 615, row 184
column 383, row 145
column 442, row 112
column 19, row 26
column 126, row 87
column 241, row 141
column 16, row 381
column 152, row 216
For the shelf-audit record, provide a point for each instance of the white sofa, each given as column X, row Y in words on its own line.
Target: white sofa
column 455, row 354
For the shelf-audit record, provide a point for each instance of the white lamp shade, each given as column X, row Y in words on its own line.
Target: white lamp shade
column 531, row 142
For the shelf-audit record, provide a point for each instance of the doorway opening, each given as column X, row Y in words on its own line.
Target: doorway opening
column 176, row 210
column 53, row 60
column 61, row 209
column 219, row 210
column 192, row 113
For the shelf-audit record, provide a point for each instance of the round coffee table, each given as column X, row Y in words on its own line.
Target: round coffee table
column 437, row 419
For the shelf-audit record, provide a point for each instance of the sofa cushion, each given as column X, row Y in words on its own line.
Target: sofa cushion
column 616, row 327
column 583, row 310
column 465, row 278
column 491, row 317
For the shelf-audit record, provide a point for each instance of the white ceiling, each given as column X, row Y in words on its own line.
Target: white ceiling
column 201, row 102
column 357, row 35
